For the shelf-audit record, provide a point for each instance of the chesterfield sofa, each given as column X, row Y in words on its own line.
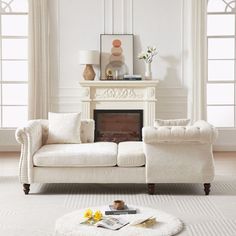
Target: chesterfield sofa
column 168, row 154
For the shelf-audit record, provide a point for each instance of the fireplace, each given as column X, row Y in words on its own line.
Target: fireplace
column 119, row 95
column 118, row 125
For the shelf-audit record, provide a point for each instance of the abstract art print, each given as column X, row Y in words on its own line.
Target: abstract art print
column 116, row 51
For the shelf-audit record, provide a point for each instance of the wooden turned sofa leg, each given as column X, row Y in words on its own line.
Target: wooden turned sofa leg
column 151, row 189
column 207, row 187
column 26, row 188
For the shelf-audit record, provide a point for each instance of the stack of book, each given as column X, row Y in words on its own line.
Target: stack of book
column 132, row 77
column 126, row 210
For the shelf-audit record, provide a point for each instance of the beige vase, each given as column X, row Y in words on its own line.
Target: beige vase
column 89, row 73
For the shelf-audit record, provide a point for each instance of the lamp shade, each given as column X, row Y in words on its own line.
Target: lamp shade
column 89, row 57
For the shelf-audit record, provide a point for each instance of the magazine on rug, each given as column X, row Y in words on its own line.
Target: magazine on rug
column 112, row 223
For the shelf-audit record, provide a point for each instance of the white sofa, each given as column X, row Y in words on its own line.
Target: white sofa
column 166, row 155
column 180, row 154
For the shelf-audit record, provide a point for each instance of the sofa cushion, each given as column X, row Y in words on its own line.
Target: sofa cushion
column 200, row 131
column 130, row 154
column 174, row 122
column 71, row 155
column 86, row 130
column 64, row 128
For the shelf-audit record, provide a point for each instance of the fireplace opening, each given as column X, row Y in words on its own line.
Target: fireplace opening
column 118, row 125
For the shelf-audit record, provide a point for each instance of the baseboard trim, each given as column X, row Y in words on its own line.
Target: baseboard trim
column 10, row 148
column 224, row 148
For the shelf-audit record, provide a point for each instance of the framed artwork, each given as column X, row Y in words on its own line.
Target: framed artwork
column 116, row 56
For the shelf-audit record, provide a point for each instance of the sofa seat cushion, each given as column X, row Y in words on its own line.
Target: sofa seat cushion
column 71, row 155
column 130, row 154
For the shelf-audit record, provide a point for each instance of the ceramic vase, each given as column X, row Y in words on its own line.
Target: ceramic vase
column 148, row 71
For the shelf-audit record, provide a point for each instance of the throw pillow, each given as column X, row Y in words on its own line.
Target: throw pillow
column 175, row 122
column 64, row 128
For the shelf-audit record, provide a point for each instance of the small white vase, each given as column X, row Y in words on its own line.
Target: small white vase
column 148, row 71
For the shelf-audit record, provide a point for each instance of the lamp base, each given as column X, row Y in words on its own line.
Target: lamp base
column 89, row 73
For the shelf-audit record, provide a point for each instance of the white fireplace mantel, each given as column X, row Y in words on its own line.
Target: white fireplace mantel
column 120, row 95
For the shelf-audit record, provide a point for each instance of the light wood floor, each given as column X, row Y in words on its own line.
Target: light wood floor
column 225, row 163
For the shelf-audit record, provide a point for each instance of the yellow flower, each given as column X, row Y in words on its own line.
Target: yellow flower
column 97, row 215
column 88, row 213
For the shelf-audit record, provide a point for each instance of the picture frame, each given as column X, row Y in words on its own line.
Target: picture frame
column 116, row 56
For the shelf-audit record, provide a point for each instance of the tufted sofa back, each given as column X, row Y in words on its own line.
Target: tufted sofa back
column 200, row 131
column 86, row 131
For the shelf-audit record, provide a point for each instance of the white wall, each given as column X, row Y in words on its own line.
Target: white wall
column 153, row 22
column 8, row 141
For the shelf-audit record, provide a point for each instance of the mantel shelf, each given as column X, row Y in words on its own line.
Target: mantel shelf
column 119, row 83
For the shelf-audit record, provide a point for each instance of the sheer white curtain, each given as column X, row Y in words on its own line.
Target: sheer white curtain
column 196, row 46
column 39, row 84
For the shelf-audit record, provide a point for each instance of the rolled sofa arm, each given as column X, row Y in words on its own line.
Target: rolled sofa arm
column 200, row 131
column 30, row 138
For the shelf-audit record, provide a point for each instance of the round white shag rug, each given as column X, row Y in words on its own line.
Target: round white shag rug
column 167, row 225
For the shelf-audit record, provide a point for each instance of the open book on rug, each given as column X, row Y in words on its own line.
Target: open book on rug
column 112, row 223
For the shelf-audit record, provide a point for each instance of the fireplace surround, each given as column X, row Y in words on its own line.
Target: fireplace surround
column 120, row 95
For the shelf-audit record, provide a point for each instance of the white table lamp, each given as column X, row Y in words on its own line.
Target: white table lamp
column 89, row 58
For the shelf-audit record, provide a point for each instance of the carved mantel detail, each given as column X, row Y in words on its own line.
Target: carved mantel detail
column 151, row 94
column 118, row 93
column 86, row 93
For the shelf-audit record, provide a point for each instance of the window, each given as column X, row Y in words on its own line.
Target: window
column 221, row 98
column 13, row 62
